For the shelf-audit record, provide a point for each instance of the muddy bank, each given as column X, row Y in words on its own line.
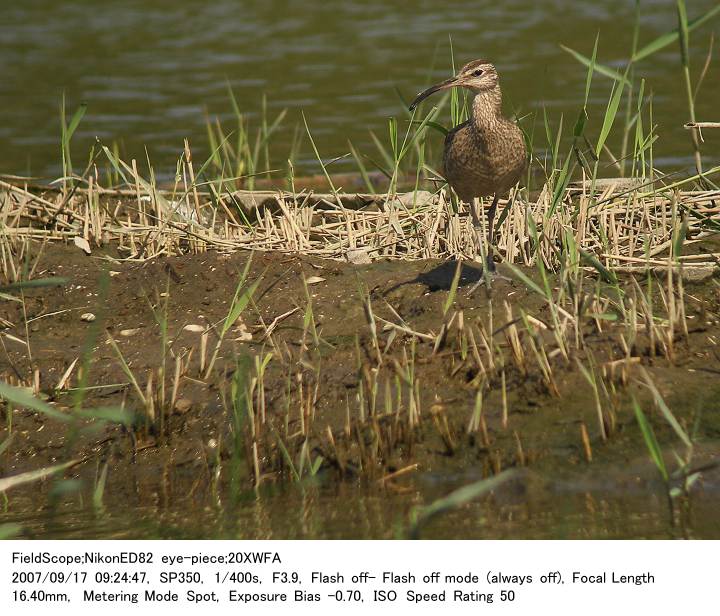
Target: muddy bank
column 330, row 402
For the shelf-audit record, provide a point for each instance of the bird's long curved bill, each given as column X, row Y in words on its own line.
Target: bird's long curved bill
column 443, row 85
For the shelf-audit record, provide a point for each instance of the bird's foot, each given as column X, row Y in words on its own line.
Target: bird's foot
column 489, row 275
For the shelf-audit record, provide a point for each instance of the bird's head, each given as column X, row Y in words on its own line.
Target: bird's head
column 478, row 76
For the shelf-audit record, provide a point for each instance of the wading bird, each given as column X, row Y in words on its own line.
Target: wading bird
column 486, row 155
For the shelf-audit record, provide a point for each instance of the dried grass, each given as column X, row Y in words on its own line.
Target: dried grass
column 624, row 230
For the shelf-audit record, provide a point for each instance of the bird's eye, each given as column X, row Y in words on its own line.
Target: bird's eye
column 478, row 72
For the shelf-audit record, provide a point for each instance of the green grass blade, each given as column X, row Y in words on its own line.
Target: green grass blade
column 34, row 284
column 528, row 282
column 111, row 414
column 600, row 68
column 435, row 126
column 684, row 32
column 23, row 398
column 8, row 531
column 665, row 410
column 679, row 239
column 317, row 154
column 75, row 121
column 362, row 168
column 604, row 272
column 610, row 113
column 6, row 443
column 387, row 158
column 579, row 127
column 15, row 480
column 287, row 456
column 546, row 124
column 99, row 491
column 241, row 304
column 458, row 498
column 453, row 288
column 671, row 37
column 560, row 186
column 126, row 369
column 393, row 132
column 650, row 440
column 241, row 300
column 591, row 69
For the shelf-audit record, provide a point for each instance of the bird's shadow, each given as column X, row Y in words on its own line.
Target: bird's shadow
column 440, row 278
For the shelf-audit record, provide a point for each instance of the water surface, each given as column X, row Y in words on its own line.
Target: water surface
column 150, row 70
column 627, row 503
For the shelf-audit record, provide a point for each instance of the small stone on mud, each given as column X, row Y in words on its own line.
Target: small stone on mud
column 241, row 330
column 129, row 332
column 194, row 328
column 88, row 317
column 315, row 279
column 697, row 274
column 358, row 256
column 82, row 244
column 182, row 406
column 416, row 198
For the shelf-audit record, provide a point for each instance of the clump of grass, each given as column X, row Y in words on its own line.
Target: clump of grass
column 243, row 296
column 66, row 134
column 237, row 155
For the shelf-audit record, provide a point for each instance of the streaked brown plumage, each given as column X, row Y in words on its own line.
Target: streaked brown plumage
column 485, row 155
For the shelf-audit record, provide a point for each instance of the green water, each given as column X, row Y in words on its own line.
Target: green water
column 628, row 503
column 151, row 69
column 624, row 501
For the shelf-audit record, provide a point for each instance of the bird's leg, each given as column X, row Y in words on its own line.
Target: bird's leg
column 490, row 271
column 477, row 226
column 491, row 234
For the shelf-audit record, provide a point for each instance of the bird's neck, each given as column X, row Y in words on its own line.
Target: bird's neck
column 487, row 109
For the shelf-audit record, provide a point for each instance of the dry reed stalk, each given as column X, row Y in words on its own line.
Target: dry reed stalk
column 587, row 448
column 522, row 461
column 331, row 225
column 398, row 473
column 504, row 401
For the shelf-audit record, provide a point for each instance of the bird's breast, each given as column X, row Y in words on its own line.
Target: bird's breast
column 479, row 165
